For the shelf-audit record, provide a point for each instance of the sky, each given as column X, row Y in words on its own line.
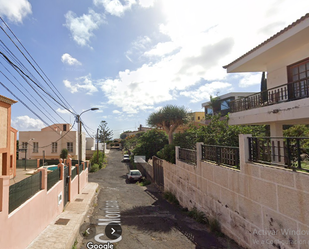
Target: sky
column 129, row 58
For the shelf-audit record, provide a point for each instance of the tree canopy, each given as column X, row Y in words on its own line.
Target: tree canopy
column 168, row 118
column 105, row 134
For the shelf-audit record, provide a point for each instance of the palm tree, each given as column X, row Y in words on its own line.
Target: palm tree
column 168, row 118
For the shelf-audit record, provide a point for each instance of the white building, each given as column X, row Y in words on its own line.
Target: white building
column 285, row 58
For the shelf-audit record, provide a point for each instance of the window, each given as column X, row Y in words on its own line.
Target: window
column 225, row 104
column 198, row 118
column 298, row 77
column 23, row 145
column 35, row 147
column 70, row 146
column 54, row 147
column 209, row 111
column 64, row 127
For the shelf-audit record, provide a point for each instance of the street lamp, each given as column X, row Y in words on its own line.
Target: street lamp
column 80, row 133
column 26, row 152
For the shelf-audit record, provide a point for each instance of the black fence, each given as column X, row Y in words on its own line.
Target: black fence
column 158, row 173
column 225, row 155
column 24, row 190
column 73, row 172
column 80, row 168
column 289, row 152
column 186, row 155
column 53, row 178
column 287, row 92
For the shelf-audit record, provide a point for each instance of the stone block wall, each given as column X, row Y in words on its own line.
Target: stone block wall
column 258, row 206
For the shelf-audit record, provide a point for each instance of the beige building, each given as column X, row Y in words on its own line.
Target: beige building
column 285, row 58
column 7, row 139
column 50, row 141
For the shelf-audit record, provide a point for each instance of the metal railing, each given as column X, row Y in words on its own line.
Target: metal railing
column 24, row 190
column 73, row 172
column 53, row 178
column 188, row 156
column 287, row 92
column 80, row 168
column 289, row 152
column 225, row 155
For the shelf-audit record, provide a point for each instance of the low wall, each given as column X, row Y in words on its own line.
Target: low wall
column 20, row 227
column 83, row 179
column 146, row 170
column 258, row 206
column 25, row 223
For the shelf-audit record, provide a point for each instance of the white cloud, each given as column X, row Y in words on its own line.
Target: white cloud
column 63, row 111
column 146, row 3
column 250, row 79
column 25, row 123
column 203, row 93
column 162, row 48
column 82, row 27
column 84, row 84
column 15, row 10
column 115, row 7
column 116, row 112
column 68, row 59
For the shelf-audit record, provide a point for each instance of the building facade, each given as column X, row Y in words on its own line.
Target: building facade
column 285, row 58
column 49, row 142
column 7, row 139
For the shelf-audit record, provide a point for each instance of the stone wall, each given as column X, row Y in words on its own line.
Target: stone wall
column 258, row 206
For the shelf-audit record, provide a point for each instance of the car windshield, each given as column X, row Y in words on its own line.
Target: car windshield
column 135, row 173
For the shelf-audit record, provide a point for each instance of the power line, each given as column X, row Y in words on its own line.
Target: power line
column 34, row 62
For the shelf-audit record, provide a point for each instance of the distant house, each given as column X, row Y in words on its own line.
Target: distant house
column 285, row 58
column 195, row 118
column 139, row 129
column 50, row 141
column 222, row 104
column 7, row 139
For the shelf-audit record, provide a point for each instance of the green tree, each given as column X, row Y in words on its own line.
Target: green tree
column 150, row 143
column 64, row 154
column 168, row 118
column 105, row 134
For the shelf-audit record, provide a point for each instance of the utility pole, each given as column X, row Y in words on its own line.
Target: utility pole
column 97, row 145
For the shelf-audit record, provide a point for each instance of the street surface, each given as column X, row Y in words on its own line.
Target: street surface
column 147, row 220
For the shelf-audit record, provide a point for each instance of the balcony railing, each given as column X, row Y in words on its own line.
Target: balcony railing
column 288, row 152
column 288, row 92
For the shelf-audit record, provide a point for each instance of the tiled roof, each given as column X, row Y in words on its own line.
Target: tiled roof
column 271, row 38
column 7, row 100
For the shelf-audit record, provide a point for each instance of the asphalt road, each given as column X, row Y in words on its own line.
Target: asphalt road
column 147, row 220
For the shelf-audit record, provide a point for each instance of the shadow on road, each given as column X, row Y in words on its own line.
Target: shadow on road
column 163, row 217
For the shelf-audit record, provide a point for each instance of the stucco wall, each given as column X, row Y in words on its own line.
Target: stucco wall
column 277, row 69
column 254, row 205
column 3, row 126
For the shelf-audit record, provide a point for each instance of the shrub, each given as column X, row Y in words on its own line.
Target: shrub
column 215, row 227
column 171, row 197
column 144, row 182
column 94, row 168
column 199, row 216
column 98, row 159
column 167, row 153
column 64, row 154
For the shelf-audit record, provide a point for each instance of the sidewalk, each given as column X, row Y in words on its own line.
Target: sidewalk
column 64, row 235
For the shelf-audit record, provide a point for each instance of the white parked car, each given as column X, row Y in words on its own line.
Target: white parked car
column 134, row 175
column 126, row 158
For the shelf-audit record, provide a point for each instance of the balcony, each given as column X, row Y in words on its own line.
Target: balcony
column 289, row 92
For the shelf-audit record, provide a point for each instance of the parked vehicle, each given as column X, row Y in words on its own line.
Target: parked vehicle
column 126, row 158
column 134, row 175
